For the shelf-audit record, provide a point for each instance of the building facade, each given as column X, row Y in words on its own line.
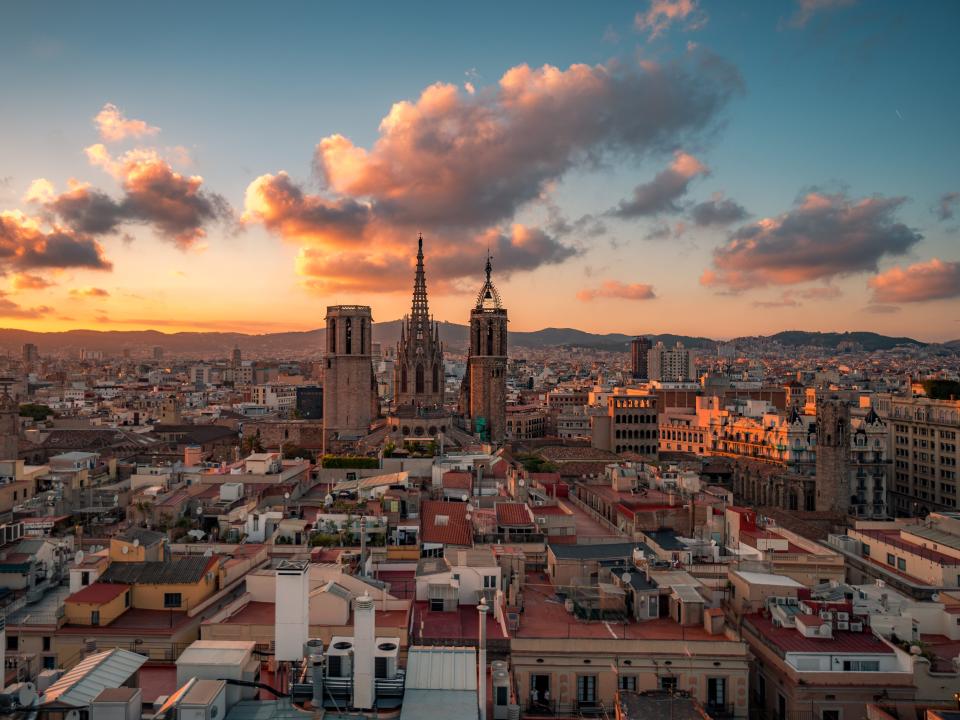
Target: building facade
column 349, row 397
column 483, row 395
column 670, row 364
column 639, row 348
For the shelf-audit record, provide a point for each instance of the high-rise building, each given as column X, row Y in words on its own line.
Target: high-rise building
column 638, row 357
column 9, row 427
column 236, row 358
column 418, row 374
column 157, row 353
column 923, row 443
column 670, row 364
column 349, row 386
column 483, row 395
column 30, row 353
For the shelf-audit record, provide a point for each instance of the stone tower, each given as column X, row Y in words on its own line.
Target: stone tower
column 418, row 373
column 483, row 396
column 9, row 427
column 349, row 386
column 833, row 456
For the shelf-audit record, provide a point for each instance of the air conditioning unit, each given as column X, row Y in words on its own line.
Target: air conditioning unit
column 385, row 657
column 856, row 627
column 843, row 616
column 340, row 657
column 541, row 521
column 843, row 625
column 826, row 615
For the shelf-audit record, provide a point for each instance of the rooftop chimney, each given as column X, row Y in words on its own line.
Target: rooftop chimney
column 364, row 639
column 292, row 608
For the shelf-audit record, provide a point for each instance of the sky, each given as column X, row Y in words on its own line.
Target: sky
column 705, row 168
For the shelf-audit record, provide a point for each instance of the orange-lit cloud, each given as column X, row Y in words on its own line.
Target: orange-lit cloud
column 661, row 14
column 10, row 309
column 175, row 205
column 89, row 292
column 26, row 281
column 660, row 195
column 114, row 126
column 28, row 243
column 618, row 290
column 935, row 279
column 459, row 166
column 824, row 236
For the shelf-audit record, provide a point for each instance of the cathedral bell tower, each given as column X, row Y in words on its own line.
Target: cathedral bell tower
column 483, row 396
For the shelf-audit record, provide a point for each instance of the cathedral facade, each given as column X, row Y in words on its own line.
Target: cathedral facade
column 418, row 374
column 483, row 395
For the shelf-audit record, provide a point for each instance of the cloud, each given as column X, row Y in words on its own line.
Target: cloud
column 26, row 281
column 882, row 309
column 114, row 126
column 806, row 9
column 175, row 205
column 89, row 292
column 792, row 298
column 10, row 309
column 28, row 243
column 459, row 166
column 661, row 194
column 661, row 14
column 822, row 237
column 935, row 279
column 618, row 290
column 947, row 205
column 718, row 211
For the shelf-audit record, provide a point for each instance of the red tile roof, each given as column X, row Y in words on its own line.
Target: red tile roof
column 98, row 593
column 457, row 480
column 455, row 530
column 511, row 514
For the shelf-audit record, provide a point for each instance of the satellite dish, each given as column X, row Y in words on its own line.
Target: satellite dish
column 136, row 542
column 467, row 516
column 464, row 497
column 208, row 553
column 286, row 496
column 79, row 556
column 626, row 578
column 125, row 549
column 521, row 482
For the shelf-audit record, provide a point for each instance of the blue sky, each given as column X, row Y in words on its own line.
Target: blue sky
column 859, row 101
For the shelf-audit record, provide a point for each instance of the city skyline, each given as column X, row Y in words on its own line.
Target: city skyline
column 639, row 167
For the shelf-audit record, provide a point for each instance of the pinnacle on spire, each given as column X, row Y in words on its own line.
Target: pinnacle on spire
column 489, row 266
column 420, row 311
column 488, row 298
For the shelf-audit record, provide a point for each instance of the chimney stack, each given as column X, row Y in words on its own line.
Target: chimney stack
column 364, row 638
column 292, row 608
column 482, row 659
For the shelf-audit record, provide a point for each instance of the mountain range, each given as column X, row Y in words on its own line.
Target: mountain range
column 387, row 333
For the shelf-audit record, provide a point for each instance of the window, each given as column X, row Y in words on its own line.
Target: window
column 627, row 682
column 172, row 600
column 891, row 560
column 84, row 578
column 94, row 617
column 716, row 692
column 46, row 643
column 829, row 715
column 901, row 564
column 126, row 599
column 761, row 687
column 861, row 665
column 489, row 581
column 586, row 689
column 436, row 604
column 50, row 662
column 13, row 642
column 668, row 683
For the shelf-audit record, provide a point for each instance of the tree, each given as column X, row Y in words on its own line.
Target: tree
column 36, row 411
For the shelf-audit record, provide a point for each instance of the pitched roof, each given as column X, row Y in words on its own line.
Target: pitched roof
column 445, row 522
column 98, row 592
column 187, row 570
column 512, row 514
column 147, row 538
column 457, row 480
column 90, row 677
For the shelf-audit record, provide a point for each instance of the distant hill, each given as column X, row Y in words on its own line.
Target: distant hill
column 388, row 333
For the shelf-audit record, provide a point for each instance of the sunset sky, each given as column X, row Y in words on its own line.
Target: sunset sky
column 707, row 168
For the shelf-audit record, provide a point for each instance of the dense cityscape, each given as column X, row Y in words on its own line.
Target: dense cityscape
column 448, row 361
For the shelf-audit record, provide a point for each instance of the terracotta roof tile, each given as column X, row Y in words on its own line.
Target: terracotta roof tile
column 445, row 522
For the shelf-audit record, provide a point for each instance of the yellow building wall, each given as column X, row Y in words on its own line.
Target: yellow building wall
column 78, row 613
column 151, row 597
column 135, row 553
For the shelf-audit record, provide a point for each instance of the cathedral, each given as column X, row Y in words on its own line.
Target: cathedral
column 483, row 394
column 418, row 374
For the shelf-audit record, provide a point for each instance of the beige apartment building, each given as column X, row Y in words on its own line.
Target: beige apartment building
column 923, row 445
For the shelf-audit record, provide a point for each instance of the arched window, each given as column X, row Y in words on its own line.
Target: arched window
column 419, row 379
column 348, row 342
column 489, row 339
column 333, row 335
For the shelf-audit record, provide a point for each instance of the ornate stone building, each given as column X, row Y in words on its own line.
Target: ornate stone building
column 483, row 395
column 418, row 373
column 9, row 427
column 349, row 385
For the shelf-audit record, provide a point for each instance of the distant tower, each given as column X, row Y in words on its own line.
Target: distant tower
column 9, row 427
column 418, row 373
column 30, row 354
column 638, row 357
column 833, row 456
column 483, row 396
column 349, row 386
column 236, row 359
